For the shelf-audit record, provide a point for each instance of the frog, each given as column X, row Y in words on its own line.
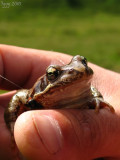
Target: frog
column 61, row 87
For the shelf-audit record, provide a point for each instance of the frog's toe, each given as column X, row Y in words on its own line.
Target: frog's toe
column 95, row 104
column 99, row 103
column 106, row 104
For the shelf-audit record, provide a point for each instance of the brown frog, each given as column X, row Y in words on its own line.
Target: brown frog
column 67, row 86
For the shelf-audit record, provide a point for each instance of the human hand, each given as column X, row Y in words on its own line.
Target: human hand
column 64, row 134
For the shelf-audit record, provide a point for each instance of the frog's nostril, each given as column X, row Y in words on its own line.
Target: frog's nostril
column 77, row 58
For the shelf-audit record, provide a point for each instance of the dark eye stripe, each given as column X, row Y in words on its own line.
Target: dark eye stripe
column 40, row 85
column 84, row 61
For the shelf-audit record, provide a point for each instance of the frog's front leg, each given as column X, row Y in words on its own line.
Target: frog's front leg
column 16, row 106
column 98, row 102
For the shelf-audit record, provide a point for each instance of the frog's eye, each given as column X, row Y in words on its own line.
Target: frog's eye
column 52, row 73
column 84, row 61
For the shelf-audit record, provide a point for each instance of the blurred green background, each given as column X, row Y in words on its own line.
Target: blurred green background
column 87, row 27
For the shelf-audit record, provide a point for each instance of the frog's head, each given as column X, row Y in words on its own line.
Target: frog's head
column 62, row 82
column 76, row 69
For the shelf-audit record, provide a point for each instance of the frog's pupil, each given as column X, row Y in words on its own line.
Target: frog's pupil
column 52, row 73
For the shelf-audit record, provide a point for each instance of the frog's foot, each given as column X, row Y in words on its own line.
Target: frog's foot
column 98, row 103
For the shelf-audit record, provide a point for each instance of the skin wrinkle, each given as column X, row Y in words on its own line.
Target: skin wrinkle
column 71, row 115
column 97, row 138
column 37, row 131
column 88, row 132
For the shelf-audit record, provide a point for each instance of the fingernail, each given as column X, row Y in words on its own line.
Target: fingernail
column 49, row 132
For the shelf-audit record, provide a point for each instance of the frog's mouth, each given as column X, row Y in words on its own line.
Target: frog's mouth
column 72, row 95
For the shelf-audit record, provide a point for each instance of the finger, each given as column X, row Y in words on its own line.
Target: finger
column 68, row 134
column 23, row 66
column 6, row 152
column 5, row 98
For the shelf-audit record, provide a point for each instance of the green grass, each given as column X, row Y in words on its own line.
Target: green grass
column 93, row 35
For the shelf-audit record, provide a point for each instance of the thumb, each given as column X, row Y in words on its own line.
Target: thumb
column 68, row 134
